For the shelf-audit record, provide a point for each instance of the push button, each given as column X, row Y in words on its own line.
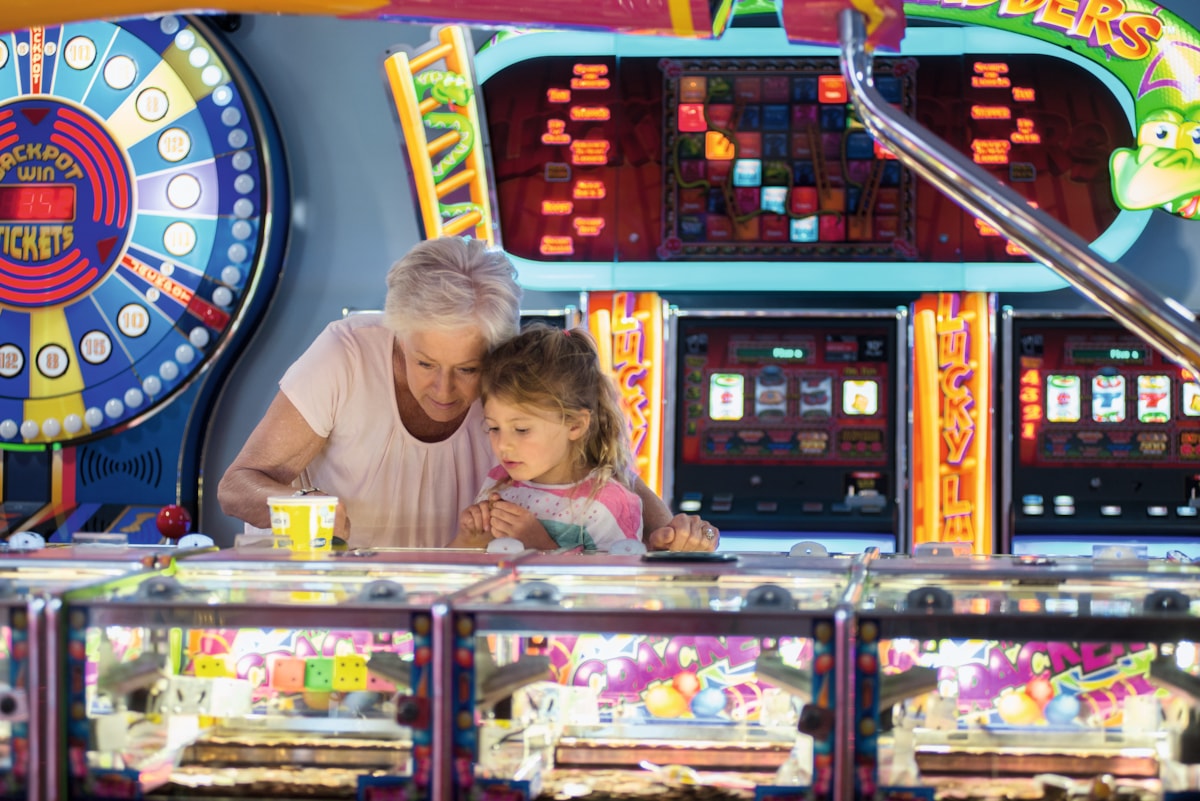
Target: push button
column 767, row 507
column 1110, row 510
column 692, row 501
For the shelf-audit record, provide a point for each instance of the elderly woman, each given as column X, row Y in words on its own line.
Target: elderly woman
column 403, row 470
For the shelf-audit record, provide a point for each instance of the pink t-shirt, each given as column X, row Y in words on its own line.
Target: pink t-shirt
column 398, row 491
column 570, row 513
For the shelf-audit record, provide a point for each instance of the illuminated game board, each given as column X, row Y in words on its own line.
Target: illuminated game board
column 768, row 159
column 639, row 161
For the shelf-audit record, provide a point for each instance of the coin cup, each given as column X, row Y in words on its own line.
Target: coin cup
column 305, row 522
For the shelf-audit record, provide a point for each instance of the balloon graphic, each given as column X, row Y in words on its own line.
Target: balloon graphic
column 1062, row 709
column 709, row 702
column 664, row 701
column 1018, row 709
column 1040, row 690
column 687, row 684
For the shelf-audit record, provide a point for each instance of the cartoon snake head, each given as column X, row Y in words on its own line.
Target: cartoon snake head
column 1164, row 170
column 452, row 89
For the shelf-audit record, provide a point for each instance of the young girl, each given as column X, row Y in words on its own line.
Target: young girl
column 562, row 444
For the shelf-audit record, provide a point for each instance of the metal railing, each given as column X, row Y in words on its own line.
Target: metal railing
column 1163, row 322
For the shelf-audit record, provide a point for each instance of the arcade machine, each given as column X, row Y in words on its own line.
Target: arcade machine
column 634, row 679
column 271, row 677
column 786, row 427
column 738, row 165
column 1017, row 677
column 141, row 235
column 1101, row 440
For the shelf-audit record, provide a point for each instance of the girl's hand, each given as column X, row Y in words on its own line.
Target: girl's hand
column 510, row 520
column 473, row 524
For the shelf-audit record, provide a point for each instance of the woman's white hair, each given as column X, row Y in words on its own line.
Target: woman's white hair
column 451, row 283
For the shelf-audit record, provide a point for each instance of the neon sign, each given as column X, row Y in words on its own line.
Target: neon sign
column 590, row 76
column 952, row 419
column 628, row 327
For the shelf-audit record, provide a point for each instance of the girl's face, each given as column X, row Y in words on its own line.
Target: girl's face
column 535, row 445
column 442, row 369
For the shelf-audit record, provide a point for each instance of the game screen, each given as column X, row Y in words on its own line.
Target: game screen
column 790, row 416
column 1094, row 395
column 645, row 159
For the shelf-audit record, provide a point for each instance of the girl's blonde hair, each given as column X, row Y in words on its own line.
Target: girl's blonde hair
column 559, row 371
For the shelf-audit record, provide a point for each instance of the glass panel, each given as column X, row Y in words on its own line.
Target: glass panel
column 256, row 711
column 710, row 706
column 637, row 716
column 179, row 704
column 652, row 592
column 1016, row 718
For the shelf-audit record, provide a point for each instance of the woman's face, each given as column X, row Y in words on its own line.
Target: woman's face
column 442, row 368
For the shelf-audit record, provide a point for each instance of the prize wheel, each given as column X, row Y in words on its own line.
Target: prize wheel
column 139, row 193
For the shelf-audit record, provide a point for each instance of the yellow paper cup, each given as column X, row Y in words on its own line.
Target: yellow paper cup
column 305, row 521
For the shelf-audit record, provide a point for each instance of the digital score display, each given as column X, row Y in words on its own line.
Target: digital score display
column 644, row 159
column 778, row 353
column 1131, row 355
column 37, row 203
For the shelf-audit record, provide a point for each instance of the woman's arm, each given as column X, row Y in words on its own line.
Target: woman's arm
column 655, row 513
column 662, row 532
column 281, row 445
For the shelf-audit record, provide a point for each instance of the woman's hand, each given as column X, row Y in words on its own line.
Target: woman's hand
column 473, row 527
column 511, row 520
column 685, row 533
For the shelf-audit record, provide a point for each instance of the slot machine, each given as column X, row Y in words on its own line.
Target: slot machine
column 786, row 426
column 1102, row 440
